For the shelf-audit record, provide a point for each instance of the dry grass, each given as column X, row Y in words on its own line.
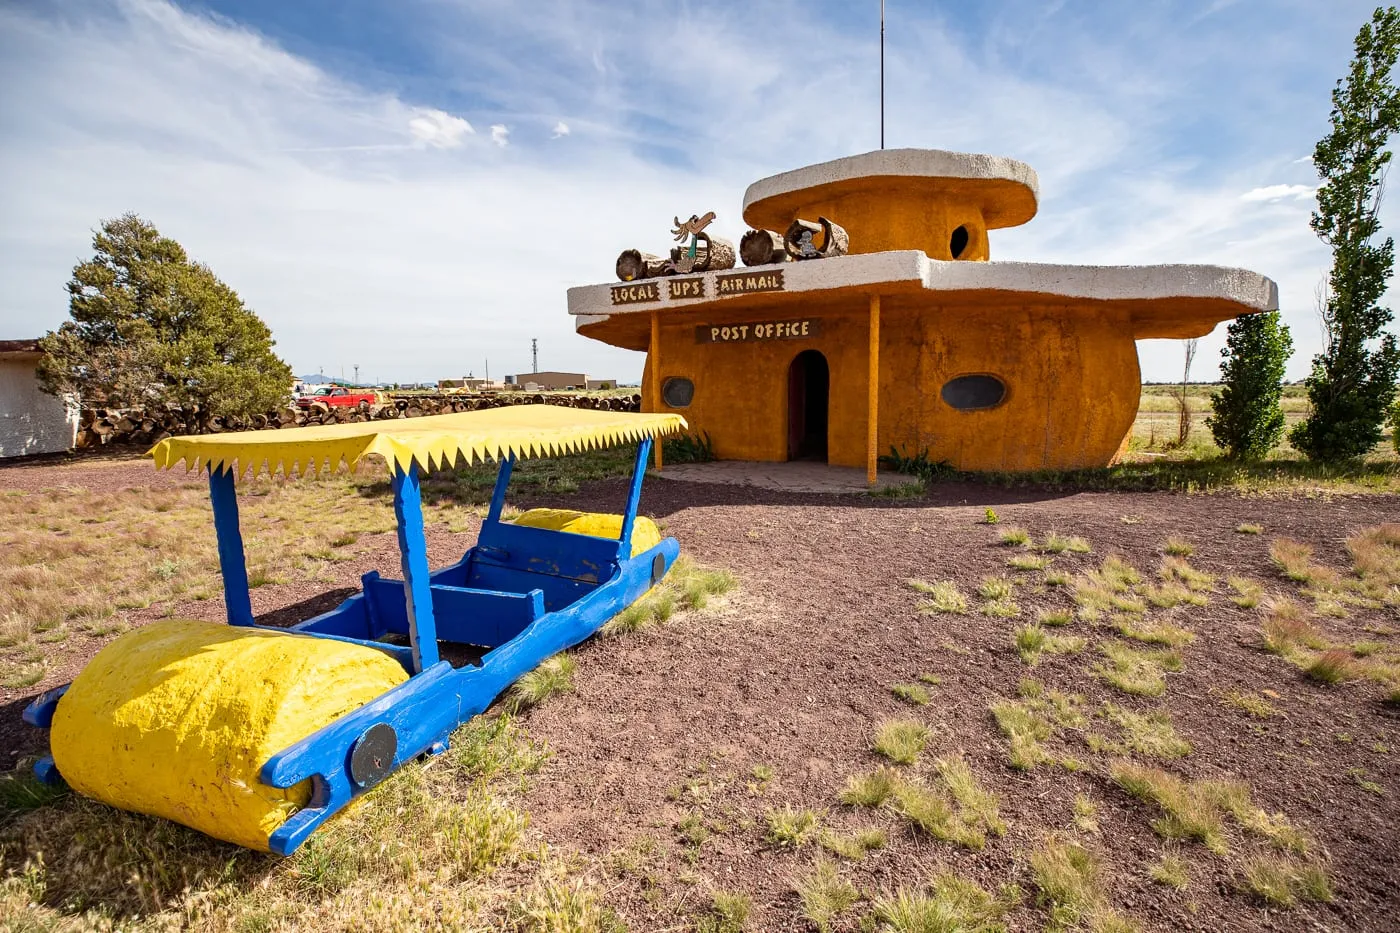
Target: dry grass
column 1151, row 733
column 1109, row 588
column 1032, row 641
column 1197, row 810
column 687, row 586
column 1001, row 609
column 949, row 905
column 77, row 561
column 824, row 894
column 1056, row 543
column 1028, row 562
column 957, row 809
column 791, row 827
column 1178, row 570
column 911, row 693
column 1154, row 632
column 1282, row 881
column 1248, row 593
column 943, row 596
column 995, row 588
column 1029, row 722
column 1331, row 667
column 1085, row 815
column 1012, row 536
column 1285, row 628
column 1069, row 886
column 1170, row 870
column 856, row 845
column 1178, row 547
column 979, row 806
column 870, row 790
column 1251, row 703
column 1136, row 672
column 1026, row 730
column 554, row 676
column 366, row 865
column 901, row 740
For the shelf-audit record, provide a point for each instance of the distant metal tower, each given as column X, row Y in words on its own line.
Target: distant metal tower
column 535, row 353
column 357, row 374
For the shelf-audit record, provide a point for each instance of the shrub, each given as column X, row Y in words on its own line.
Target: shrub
column 1248, row 421
column 688, row 448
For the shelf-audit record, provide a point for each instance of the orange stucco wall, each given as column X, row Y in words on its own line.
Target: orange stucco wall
column 903, row 221
column 1071, row 374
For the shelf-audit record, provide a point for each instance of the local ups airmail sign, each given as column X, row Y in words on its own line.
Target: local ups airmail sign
column 759, row 330
column 636, row 293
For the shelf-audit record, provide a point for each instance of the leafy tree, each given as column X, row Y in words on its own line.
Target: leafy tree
column 151, row 327
column 1353, row 379
column 1248, row 420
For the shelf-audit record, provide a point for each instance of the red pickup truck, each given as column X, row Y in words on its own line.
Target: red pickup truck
column 339, row 397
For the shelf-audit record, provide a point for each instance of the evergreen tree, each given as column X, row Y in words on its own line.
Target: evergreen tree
column 151, row 327
column 1353, row 380
column 1248, row 420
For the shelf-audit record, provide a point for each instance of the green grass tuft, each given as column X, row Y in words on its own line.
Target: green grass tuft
column 901, row 740
column 554, row 676
column 1013, row 536
column 789, row 827
column 824, row 894
column 911, row 693
column 943, row 596
column 870, row 790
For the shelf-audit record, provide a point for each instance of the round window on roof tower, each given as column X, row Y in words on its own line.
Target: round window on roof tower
column 959, row 242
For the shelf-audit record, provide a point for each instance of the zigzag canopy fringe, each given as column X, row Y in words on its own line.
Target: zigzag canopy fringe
column 436, row 441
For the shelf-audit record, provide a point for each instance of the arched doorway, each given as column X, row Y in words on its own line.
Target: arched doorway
column 809, row 388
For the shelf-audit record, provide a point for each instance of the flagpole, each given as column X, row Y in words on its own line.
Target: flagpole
column 882, row 74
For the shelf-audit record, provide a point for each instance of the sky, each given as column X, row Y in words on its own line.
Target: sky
column 412, row 186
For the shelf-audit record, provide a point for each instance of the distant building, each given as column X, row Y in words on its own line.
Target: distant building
column 470, row 383
column 31, row 421
column 549, row 381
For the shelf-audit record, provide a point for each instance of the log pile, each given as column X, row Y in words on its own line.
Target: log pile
column 712, row 254
column 137, row 426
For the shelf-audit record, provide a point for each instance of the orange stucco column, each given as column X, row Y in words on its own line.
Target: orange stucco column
column 873, row 405
column 654, row 390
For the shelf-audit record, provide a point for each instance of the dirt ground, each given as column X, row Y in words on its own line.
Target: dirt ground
column 793, row 673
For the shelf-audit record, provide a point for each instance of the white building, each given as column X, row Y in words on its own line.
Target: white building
column 31, row 422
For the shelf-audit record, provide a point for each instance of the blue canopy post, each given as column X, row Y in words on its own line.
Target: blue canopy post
column 498, row 494
column 224, row 498
column 634, row 494
column 413, row 555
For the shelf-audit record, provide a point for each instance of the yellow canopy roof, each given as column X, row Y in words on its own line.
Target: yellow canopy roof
column 435, row 441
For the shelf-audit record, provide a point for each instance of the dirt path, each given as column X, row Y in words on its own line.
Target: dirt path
column 796, row 673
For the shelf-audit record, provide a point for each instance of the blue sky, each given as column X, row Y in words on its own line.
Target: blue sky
column 412, row 186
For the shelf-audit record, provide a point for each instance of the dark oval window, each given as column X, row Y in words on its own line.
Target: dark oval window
column 959, row 242
column 677, row 391
column 970, row 393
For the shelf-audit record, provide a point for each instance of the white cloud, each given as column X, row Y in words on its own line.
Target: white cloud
column 438, row 129
column 560, row 129
column 324, row 200
column 1278, row 193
